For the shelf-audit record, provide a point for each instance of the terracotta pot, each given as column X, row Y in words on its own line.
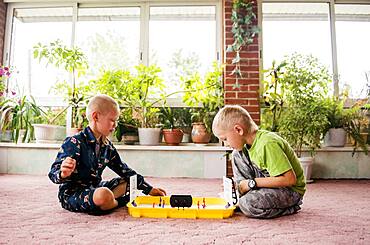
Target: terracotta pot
column 199, row 134
column 172, row 136
column 351, row 140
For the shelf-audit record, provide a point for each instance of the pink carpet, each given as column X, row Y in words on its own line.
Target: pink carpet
column 334, row 212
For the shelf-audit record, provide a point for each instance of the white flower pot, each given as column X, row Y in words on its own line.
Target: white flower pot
column 186, row 138
column 336, row 137
column 21, row 134
column 306, row 163
column 45, row 133
column 149, row 136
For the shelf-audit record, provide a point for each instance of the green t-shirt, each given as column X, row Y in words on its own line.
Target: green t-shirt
column 272, row 153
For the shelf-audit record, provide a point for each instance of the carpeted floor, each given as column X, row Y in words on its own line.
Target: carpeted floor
column 334, row 212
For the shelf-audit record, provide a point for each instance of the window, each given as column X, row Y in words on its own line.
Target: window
column 31, row 26
column 182, row 40
column 176, row 36
column 109, row 37
column 353, row 39
column 340, row 42
column 296, row 27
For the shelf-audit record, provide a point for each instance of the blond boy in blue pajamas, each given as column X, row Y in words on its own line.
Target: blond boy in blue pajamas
column 82, row 158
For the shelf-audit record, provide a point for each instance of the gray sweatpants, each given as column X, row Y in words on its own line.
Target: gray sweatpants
column 263, row 203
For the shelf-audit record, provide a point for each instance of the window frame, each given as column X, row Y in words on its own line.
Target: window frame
column 332, row 21
column 144, row 29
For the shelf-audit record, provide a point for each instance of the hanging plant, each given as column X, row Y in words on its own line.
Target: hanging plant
column 244, row 30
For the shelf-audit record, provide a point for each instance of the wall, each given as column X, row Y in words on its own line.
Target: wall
column 248, row 93
column 181, row 161
column 338, row 163
column 157, row 161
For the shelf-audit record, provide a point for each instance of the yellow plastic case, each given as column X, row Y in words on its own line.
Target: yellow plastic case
column 215, row 208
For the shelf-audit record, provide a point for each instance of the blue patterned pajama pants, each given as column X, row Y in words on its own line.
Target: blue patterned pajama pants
column 81, row 199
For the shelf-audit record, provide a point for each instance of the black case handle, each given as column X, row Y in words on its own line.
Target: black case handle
column 181, row 201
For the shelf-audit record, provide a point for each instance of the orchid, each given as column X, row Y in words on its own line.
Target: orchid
column 5, row 73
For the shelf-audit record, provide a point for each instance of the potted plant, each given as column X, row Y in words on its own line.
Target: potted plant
column 366, row 105
column 304, row 117
column 77, row 102
column 5, row 73
column 114, row 83
column 358, row 126
column 49, row 127
column 17, row 114
column 171, row 132
column 206, row 98
column 273, row 97
column 338, row 121
column 6, row 107
column 136, row 91
column 127, row 127
column 140, row 91
column 183, row 116
column 73, row 61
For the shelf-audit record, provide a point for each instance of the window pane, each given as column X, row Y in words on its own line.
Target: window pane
column 353, row 39
column 181, row 40
column 296, row 27
column 31, row 26
column 109, row 37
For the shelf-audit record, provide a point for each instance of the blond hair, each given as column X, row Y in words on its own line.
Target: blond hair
column 230, row 115
column 101, row 103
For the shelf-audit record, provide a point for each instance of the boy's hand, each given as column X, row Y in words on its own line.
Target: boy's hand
column 157, row 192
column 67, row 167
column 243, row 187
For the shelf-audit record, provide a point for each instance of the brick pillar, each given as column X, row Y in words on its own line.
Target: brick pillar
column 247, row 94
column 3, row 7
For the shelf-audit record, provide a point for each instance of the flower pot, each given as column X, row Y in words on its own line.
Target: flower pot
column 351, row 140
column 172, row 136
column 130, row 139
column 45, row 133
column 306, row 163
column 149, row 136
column 185, row 138
column 21, row 135
column 6, row 136
column 199, row 134
column 336, row 137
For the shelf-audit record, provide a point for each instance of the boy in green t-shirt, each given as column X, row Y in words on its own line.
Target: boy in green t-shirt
column 268, row 175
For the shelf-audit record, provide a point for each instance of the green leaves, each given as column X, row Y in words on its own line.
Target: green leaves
column 59, row 55
column 205, row 93
column 243, row 30
column 18, row 113
column 297, row 95
column 135, row 90
column 73, row 61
